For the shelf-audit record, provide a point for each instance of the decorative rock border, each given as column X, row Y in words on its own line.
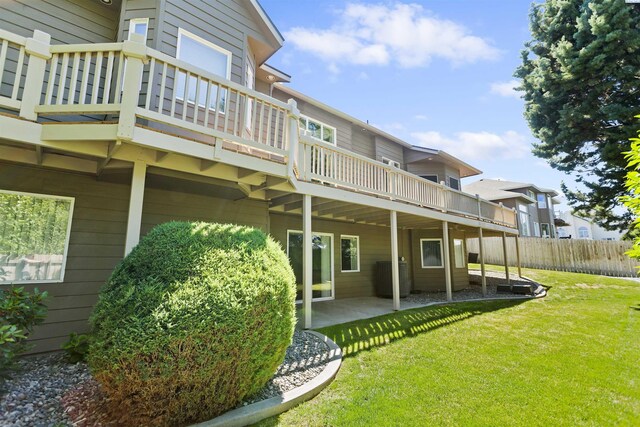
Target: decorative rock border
column 258, row 411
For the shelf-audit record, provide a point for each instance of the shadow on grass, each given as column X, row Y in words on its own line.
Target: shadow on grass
column 360, row 335
column 637, row 308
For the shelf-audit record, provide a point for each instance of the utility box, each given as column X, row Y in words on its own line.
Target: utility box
column 384, row 282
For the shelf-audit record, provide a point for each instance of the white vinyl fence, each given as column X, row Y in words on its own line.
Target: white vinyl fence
column 580, row 256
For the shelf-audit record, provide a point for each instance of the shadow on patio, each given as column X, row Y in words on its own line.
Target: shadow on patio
column 354, row 337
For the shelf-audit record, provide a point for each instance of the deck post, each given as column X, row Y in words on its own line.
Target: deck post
column 518, row 256
column 482, row 267
column 294, row 126
column 135, row 52
column 506, row 261
column 446, row 260
column 395, row 268
column 307, row 260
column 38, row 49
column 134, row 219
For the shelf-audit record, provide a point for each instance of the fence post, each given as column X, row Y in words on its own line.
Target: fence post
column 135, row 52
column 38, row 49
column 293, row 116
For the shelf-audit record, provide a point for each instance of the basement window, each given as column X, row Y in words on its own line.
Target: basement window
column 34, row 237
column 431, row 253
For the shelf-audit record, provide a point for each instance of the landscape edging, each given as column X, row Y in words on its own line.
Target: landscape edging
column 258, row 411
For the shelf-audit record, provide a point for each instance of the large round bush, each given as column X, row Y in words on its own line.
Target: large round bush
column 197, row 317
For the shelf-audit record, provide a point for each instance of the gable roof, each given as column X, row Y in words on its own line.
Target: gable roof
column 497, row 189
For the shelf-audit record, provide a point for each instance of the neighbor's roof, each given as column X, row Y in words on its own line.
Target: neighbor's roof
column 495, row 189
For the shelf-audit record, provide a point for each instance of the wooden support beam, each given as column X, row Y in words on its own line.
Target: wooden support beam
column 247, row 173
column 134, row 219
column 111, row 151
column 281, row 201
column 482, row 266
column 446, row 258
column 39, row 155
column 395, row 267
column 518, row 256
column 160, row 155
column 506, row 258
column 270, row 182
column 206, row 165
column 307, row 260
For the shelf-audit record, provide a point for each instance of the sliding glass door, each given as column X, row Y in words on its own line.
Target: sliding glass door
column 322, row 255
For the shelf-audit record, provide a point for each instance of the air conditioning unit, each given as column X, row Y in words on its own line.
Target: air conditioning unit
column 390, row 162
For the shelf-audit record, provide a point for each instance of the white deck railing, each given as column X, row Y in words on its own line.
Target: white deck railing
column 141, row 86
column 321, row 162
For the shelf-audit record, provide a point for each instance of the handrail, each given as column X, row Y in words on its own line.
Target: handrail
column 327, row 163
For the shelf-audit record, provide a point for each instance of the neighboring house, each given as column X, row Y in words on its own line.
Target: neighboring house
column 117, row 117
column 536, row 217
column 583, row 228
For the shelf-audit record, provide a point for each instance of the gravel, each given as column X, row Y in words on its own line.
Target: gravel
column 48, row 391
column 474, row 291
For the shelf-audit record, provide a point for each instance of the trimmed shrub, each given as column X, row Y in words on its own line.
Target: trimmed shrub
column 76, row 347
column 196, row 318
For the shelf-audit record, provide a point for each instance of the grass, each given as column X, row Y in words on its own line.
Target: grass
column 572, row 358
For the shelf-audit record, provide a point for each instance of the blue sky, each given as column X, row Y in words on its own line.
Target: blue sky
column 434, row 72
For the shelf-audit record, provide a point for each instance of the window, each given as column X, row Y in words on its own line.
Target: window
column 350, row 253
column 458, row 253
column 431, row 253
column 206, row 55
column 454, row 183
column 139, row 26
column 318, row 130
column 525, row 227
column 391, row 162
column 432, row 178
column 542, row 201
column 531, row 194
column 34, row 237
column 546, row 231
column 536, row 229
column 583, row 233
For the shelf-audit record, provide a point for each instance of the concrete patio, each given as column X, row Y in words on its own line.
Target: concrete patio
column 327, row 313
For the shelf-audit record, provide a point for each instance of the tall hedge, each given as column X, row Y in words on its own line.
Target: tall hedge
column 197, row 317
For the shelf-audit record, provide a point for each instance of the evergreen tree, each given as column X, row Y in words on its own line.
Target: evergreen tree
column 581, row 79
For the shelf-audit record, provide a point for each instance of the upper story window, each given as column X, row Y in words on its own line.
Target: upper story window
column 454, row 183
column 318, row 130
column 208, row 56
column 432, row 178
column 34, row 237
column 583, row 233
column 390, row 162
column 139, row 26
column 531, row 194
column 542, row 201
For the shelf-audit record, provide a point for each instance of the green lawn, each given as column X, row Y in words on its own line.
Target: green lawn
column 572, row 358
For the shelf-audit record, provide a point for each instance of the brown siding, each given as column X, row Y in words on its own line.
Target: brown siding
column 432, row 279
column 98, row 233
column 374, row 246
column 68, row 21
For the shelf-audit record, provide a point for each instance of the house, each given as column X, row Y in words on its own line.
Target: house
column 117, row 115
column 579, row 227
column 536, row 217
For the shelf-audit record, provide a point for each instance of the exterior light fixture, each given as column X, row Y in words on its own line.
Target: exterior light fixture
column 107, row 2
column 271, row 78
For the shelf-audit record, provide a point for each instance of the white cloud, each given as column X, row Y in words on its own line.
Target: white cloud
column 406, row 35
column 420, row 117
column 471, row 146
column 506, row 89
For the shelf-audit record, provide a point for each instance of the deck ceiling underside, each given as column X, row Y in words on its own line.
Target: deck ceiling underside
column 323, row 208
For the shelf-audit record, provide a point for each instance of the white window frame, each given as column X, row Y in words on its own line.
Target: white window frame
column 432, row 239
column 350, row 236
column 63, row 266
column 390, row 162
column 580, row 229
column 462, row 255
column 548, row 235
column 449, row 178
column 133, row 22
column 333, row 265
column 542, row 204
column 184, row 33
column 322, row 126
column 536, row 229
